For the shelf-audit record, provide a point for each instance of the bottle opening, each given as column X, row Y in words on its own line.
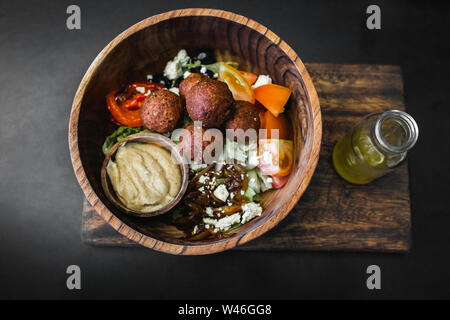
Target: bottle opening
column 396, row 131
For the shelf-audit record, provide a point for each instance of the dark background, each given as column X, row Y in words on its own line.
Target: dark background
column 41, row 65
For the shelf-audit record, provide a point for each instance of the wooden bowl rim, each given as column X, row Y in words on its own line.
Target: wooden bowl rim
column 154, row 138
column 226, row 243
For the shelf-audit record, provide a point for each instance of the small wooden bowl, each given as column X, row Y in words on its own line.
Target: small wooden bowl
column 144, row 49
column 160, row 141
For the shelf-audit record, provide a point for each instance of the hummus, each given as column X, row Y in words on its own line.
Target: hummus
column 144, row 176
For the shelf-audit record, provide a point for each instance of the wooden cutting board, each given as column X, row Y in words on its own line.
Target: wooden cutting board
column 332, row 214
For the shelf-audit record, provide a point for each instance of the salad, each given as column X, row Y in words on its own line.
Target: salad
column 228, row 123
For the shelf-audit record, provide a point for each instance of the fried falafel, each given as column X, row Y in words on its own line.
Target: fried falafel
column 245, row 117
column 210, row 101
column 187, row 84
column 161, row 111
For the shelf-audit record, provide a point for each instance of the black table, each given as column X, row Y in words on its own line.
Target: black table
column 41, row 64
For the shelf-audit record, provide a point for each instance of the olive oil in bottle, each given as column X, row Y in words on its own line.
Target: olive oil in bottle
column 375, row 146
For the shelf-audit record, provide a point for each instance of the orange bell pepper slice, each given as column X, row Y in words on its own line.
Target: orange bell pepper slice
column 270, row 122
column 273, row 97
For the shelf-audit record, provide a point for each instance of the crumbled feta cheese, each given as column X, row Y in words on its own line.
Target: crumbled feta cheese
column 175, row 90
column 221, row 192
column 186, row 74
column 203, row 69
column 226, row 222
column 201, row 189
column 140, row 89
column 232, row 195
column 174, row 68
column 149, row 77
column 202, row 179
column 250, row 211
column 215, row 75
column 195, row 230
column 194, row 167
column 207, row 220
column 242, row 192
column 262, row 80
column 182, row 56
column 210, row 212
column 266, row 180
column 207, row 226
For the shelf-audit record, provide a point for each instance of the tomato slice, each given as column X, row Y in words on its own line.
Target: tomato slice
column 278, row 182
column 250, row 77
column 276, row 156
column 270, row 122
column 236, row 82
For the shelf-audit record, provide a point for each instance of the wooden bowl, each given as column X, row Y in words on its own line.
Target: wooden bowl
column 144, row 49
column 160, row 141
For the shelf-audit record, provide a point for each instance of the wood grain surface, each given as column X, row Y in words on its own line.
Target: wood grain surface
column 332, row 214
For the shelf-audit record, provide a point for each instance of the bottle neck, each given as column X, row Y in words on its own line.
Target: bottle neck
column 395, row 132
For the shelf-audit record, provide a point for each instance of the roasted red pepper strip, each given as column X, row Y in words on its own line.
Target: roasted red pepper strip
column 128, row 112
column 147, row 85
column 135, row 97
column 134, row 103
column 131, row 118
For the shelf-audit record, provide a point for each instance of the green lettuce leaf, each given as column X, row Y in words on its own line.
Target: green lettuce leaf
column 121, row 133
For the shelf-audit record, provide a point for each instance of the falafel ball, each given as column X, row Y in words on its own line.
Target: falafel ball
column 191, row 140
column 161, row 111
column 245, row 117
column 210, row 101
column 189, row 82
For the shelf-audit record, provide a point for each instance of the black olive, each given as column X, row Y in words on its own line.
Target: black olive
column 205, row 56
column 201, row 56
column 195, row 70
column 210, row 74
column 178, row 81
column 160, row 78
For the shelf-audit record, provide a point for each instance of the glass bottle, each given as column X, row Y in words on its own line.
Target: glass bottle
column 375, row 146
